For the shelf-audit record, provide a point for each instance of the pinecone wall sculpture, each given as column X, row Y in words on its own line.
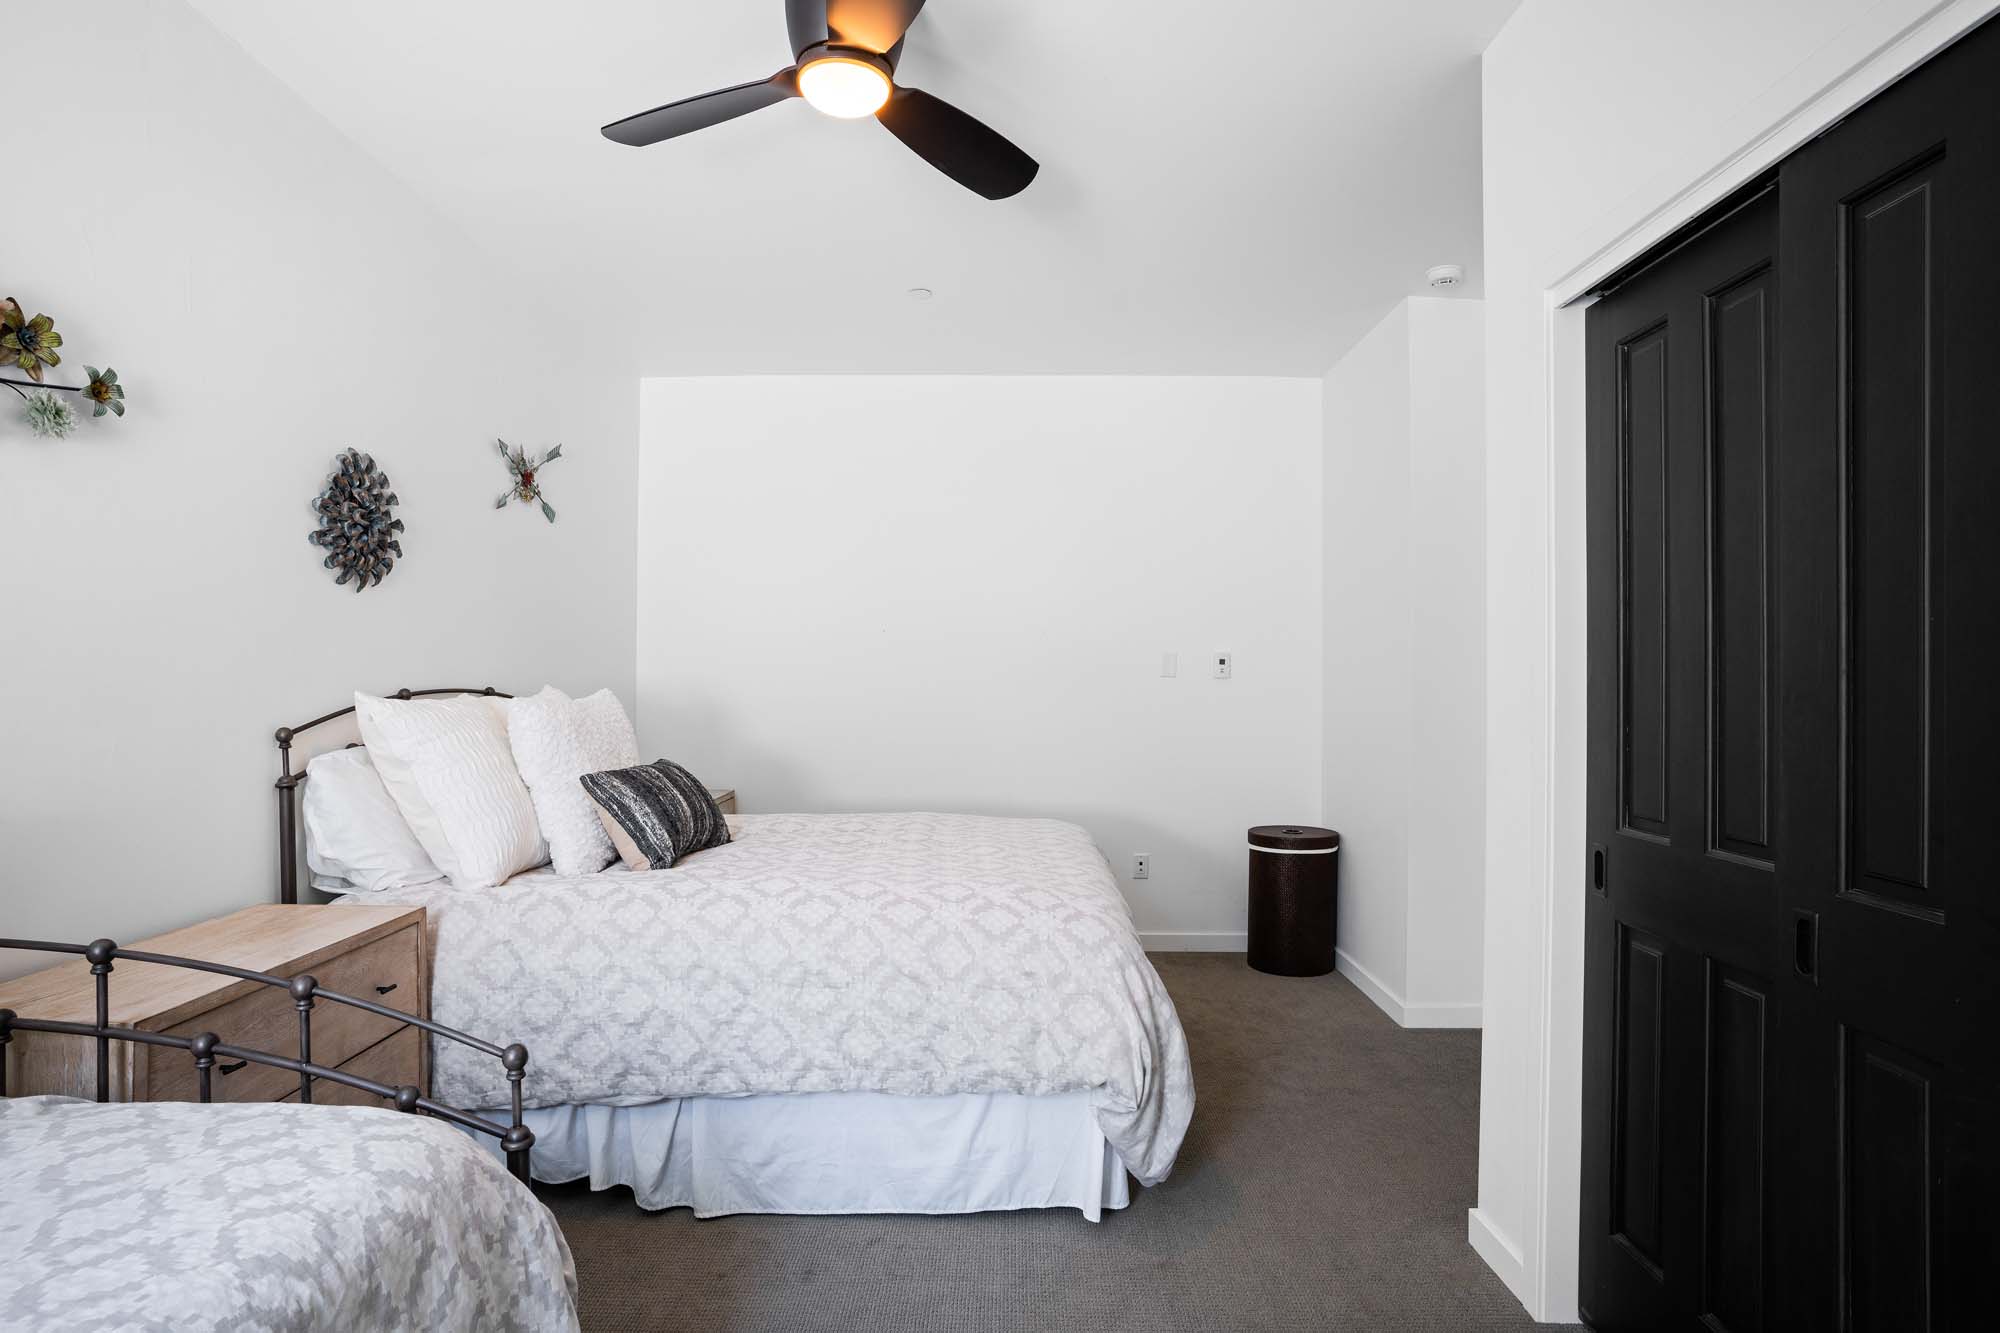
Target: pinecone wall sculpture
column 357, row 527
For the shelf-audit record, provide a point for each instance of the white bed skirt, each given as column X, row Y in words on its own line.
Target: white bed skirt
column 836, row 1152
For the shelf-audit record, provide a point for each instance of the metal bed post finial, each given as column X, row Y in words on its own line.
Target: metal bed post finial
column 303, row 988
column 100, row 953
column 519, row 1137
column 203, row 1048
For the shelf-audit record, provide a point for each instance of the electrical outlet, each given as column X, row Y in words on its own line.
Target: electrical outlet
column 1142, row 865
column 1220, row 666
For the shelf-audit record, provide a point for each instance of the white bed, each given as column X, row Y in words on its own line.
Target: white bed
column 831, row 1014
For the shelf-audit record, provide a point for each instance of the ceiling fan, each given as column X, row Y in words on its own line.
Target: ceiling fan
column 845, row 54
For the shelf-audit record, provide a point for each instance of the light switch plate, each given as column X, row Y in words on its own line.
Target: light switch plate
column 1221, row 666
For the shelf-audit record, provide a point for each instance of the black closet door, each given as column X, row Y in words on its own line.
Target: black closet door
column 1684, row 941
column 1792, row 1109
column 1889, row 635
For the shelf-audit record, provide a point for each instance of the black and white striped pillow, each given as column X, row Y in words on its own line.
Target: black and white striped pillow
column 662, row 808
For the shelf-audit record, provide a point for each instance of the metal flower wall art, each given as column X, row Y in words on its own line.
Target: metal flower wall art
column 29, row 347
column 357, row 523
column 527, row 487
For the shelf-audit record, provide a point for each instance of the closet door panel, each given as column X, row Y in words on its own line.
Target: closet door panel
column 1642, row 1115
column 1740, row 352
column 1889, row 721
column 1889, row 377
column 1738, row 1111
column 1642, row 464
column 1888, row 1166
column 1681, row 933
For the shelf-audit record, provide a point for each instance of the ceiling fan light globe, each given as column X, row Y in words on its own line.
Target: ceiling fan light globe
column 843, row 88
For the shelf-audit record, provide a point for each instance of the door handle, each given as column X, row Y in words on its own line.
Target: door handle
column 1598, row 857
column 231, row 1068
column 384, row 990
column 1805, row 945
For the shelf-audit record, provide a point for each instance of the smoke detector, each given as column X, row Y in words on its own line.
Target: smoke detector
column 1445, row 275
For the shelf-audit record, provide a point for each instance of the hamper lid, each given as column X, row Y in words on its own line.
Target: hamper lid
column 1294, row 837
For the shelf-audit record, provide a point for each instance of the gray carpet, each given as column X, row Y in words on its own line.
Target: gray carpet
column 1323, row 1185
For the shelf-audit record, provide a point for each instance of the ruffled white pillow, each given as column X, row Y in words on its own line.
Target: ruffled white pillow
column 446, row 764
column 556, row 740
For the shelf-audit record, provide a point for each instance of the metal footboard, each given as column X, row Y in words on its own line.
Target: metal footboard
column 516, row 1140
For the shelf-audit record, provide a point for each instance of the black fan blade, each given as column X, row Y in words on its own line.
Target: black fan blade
column 805, row 20
column 956, row 144
column 698, row 113
column 876, row 25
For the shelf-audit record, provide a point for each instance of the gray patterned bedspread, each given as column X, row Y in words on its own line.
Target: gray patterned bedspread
column 171, row 1215
column 914, row 954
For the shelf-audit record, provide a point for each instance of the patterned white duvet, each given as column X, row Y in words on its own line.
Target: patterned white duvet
column 172, row 1215
column 914, row 954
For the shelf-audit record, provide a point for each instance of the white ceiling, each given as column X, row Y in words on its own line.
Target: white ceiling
column 1225, row 189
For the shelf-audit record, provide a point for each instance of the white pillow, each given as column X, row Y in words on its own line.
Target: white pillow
column 446, row 764
column 556, row 740
column 356, row 838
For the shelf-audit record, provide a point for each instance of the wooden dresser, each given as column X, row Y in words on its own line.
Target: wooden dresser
column 724, row 798
column 371, row 953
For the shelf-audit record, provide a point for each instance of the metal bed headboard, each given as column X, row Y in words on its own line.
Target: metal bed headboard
column 516, row 1140
column 289, row 782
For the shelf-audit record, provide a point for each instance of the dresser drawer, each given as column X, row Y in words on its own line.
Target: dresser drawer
column 267, row 1020
column 395, row 1061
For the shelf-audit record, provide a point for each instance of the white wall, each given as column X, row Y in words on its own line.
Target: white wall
column 1447, row 660
column 1366, row 680
column 1595, row 147
column 954, row 593
column 1404, row 681
column 269, row 296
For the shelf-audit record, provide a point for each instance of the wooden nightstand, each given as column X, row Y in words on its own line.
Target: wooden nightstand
column 725, row 799
column 371, row 953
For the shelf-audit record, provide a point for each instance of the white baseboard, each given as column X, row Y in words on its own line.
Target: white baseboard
column 1369, row 984
column 1194, row 941
column 1500, row 1254
column 1443, row 1016
column 1406, row 1014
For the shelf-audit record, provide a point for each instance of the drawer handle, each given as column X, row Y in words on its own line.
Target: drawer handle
column 384, row 990
column 231, row 1068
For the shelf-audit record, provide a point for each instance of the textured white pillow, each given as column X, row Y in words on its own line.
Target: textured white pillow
column 556, row 740
column 356, row 838
column 446, row 764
